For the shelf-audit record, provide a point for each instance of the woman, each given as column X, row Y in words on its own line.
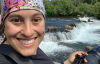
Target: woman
column 23, row 29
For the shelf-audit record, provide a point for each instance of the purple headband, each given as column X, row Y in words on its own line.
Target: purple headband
column 8, row 6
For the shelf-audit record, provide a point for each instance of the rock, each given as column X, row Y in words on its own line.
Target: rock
column 91, row 21
column 85, row 21
column 88, row 47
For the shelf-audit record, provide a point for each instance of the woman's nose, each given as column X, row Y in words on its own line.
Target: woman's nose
column 27, row 30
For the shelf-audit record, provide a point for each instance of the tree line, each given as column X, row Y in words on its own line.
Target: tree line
column 71, row 8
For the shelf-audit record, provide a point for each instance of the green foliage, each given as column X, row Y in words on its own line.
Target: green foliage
column 56, row 7
column 97, row 9
column 72, row 7
column 85, row 9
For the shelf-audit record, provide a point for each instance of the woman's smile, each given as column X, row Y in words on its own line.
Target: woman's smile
column 27, row 42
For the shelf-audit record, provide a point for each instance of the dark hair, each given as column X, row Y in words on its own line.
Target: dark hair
column 2, row 33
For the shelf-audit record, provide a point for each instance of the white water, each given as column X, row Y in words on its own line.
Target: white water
column 84, row 32
column 89, row 33
column 51, row 47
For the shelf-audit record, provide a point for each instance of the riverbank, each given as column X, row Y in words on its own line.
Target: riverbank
column 61, row 17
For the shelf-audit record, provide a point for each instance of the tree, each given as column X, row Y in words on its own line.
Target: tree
column 84, row 9
column 72, row 7
column 97, row 9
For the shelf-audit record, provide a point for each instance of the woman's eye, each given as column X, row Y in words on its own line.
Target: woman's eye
column 16, row 20
column 36, row 20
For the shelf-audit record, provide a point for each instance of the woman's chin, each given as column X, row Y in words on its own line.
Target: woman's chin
column 28, row 53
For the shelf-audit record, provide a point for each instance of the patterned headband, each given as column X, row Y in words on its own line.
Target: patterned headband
column 8, row 6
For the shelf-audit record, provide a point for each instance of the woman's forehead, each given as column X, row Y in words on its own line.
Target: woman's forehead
column 28, row 11
column 25, row 12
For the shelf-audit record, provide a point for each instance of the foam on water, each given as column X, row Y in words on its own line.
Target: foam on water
column 87, row 35
column 51, row 47
column 84, row 32
column 57, row 36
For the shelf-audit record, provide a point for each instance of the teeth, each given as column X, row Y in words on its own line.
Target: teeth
column 27, row 42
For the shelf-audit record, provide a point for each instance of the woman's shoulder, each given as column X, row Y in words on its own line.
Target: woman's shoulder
column 6, row 60
column 41, row 57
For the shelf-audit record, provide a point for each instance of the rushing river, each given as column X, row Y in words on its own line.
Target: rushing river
column 58, row 45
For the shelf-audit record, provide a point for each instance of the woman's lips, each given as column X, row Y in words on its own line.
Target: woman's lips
column 27, row 42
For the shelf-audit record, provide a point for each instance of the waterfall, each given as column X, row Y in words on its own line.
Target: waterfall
column 63, row 36
column 84, row 34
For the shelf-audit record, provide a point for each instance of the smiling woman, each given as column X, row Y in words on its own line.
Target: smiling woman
column 23, row 28
column 29, row 31
column 23, row 31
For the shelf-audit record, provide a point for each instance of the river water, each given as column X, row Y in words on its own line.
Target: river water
column 58, row 45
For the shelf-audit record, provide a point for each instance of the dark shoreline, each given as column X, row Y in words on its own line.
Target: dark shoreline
column 62, row 17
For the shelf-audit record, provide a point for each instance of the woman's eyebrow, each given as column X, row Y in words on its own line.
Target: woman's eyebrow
column 37, row 14
column 15, row 15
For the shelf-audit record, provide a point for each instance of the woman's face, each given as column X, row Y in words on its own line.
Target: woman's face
column 24, row 30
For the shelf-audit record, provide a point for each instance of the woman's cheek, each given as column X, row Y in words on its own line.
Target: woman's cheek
column 11, row 30
column 41, row 30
